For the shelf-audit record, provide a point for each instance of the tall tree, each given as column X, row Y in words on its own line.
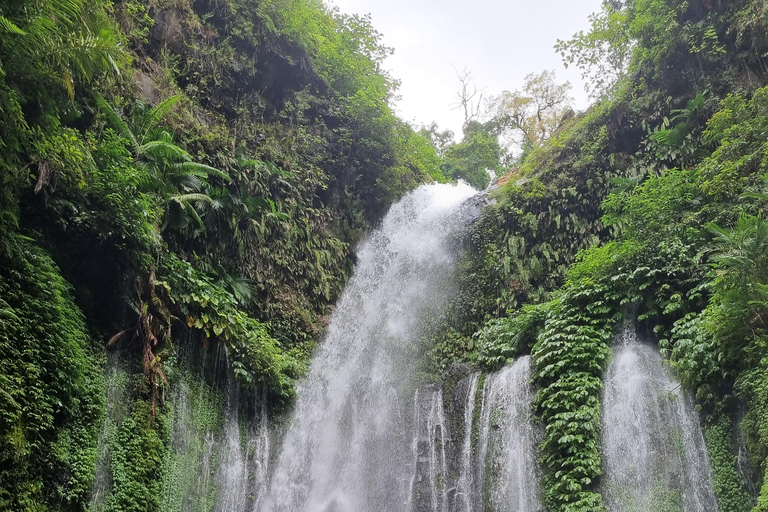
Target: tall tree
column 528, row 118
column 467, row 97
column 602, row 54
column 440, row 140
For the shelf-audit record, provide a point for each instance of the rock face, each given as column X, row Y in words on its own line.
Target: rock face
column 472, row 208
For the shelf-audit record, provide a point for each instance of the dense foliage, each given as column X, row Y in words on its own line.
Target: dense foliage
column 197, row 171
column 648, row 208
column 194, row 175
column 51, row 400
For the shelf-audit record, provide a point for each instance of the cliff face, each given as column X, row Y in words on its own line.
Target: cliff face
column 648, row 208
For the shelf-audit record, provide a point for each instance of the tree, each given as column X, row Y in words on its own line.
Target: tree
column 473, row 157
column 603, row 53
column 466, row 98
column 528, row 118
column 440, row 140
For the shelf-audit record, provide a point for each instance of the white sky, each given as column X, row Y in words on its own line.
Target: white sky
column 499, row 41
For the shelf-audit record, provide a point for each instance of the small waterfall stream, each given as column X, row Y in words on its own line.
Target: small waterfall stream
column 653, row 449
column 429, row 483
column 465, row 488
column 214, row 462
column 498, row 466
column 508, row 467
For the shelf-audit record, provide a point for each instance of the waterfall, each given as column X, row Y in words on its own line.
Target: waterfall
column 363, row 438
column 653, row 449
column 213, row 466
column 214, row 463
column 348, row 447
column 500, row 472
column 509, row 473
column 429, row 483
column 465, row 488
column 116, row 399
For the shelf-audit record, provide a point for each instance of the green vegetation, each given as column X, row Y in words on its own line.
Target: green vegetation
column 195, row 174
column 197, row 171
column 648, row 208
column 51, row 402
column 469, row 159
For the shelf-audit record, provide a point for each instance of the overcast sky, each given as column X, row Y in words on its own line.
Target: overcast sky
column 500, row 41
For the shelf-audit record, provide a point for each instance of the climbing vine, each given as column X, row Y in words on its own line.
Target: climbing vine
column 569, row 358
column 52, row 389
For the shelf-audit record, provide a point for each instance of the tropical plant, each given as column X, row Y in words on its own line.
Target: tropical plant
column 176, row 179
column 59, row 41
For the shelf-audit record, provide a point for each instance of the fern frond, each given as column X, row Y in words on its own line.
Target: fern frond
column 191, row 182
column 199, row 169
column 163, row 149
column 117, row 121
column 160, row 110
column 193, row 213
column 191, row 198
column 10, row 27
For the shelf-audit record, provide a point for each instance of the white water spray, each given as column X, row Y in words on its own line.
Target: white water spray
column 653, row 449
column 347, row 449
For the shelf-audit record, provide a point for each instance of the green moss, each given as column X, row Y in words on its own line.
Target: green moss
column 51, row 398
column 727, row 483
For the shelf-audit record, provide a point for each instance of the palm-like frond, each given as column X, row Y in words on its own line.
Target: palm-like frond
column 191, row 198
column 189, row 182
column 8, row 26
column 743, row 249
column 162, row 109
column 172, row 174
column 163, row 149
column 85, row 52
column 117, row 121
column 199, row 169
column 148, row 119
column 193, row 213
column 69, row 39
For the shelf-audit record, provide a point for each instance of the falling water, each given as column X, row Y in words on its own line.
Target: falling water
column 213, row 466
column 429, row 483
column 188, row 483
column 214, row 463
column 465, row 489
column 348, row 447
column 654, row 453
column 501, row 474
column 116, row 397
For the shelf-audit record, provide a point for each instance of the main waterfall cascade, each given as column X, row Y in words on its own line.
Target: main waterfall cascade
column 347, row 448
column 654, row 452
